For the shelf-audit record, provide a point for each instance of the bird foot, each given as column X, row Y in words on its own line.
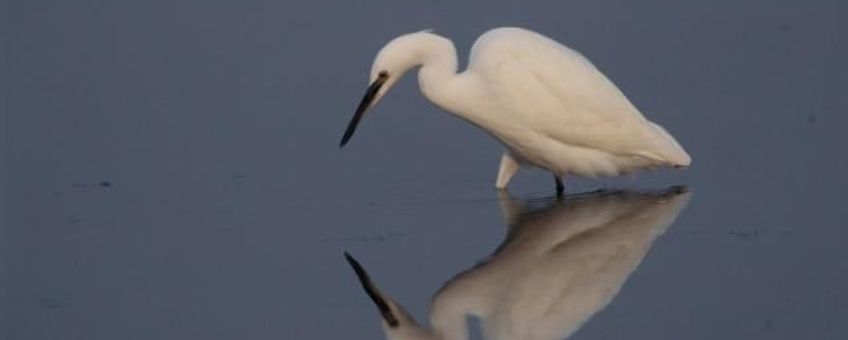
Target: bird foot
column 559, row 187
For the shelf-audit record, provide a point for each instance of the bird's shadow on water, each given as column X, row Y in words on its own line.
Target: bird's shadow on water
column 564, row 258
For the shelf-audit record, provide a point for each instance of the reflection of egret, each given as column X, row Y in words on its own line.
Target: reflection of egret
column 557, row 267
column 546, row 103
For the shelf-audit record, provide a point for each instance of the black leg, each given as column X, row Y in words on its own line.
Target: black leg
column 559, row 186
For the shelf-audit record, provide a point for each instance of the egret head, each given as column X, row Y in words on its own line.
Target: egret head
column 392, row 62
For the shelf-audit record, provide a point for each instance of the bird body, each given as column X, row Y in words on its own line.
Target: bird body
column 546, row 103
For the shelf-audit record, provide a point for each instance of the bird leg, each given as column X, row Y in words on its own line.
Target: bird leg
column 507, row 169
column 559, row 187
column 510, row 207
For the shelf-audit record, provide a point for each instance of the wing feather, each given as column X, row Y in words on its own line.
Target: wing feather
column 555, row 91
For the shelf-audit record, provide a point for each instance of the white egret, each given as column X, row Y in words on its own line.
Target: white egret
column 546, row 103
column 557, row 267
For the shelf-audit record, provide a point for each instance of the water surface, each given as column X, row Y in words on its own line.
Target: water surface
column 171, row 170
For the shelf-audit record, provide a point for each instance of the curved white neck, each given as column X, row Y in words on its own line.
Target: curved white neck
column 438, row 70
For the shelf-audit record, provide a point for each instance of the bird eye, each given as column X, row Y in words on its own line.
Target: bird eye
column 383, row 74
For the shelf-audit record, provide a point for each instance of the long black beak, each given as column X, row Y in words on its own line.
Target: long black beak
column 373, row 293
column 373, row 89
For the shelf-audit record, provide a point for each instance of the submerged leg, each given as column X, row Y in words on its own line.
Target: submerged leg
column 507, row 169
column 510, row 207
column 559, row 187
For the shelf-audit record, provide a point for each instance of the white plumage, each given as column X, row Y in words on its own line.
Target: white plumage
column 547, row 104
column 557, row 267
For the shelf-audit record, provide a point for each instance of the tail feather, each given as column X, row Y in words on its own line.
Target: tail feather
column 668, row 148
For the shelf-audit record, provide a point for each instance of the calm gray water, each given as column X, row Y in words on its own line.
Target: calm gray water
column 171, row 171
